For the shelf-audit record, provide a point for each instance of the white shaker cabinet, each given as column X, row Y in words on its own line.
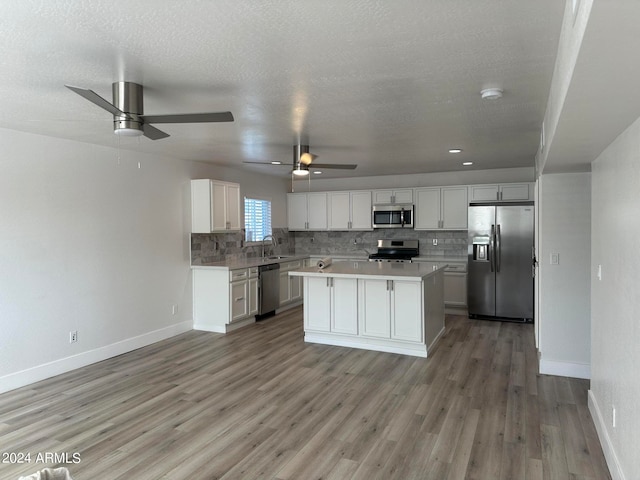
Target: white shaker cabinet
column 224, row 299
column 290, row 287
column 403, row 195
column 350, row 210
column 505, row 192
column 441, row 208
column 332, row 306
column 307, row 211
column 254, row 292
column 391, row 309
column 455, row 289
column 239, row 292
column 215, row 206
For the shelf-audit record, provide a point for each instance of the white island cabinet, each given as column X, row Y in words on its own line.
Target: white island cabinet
column 388, row 307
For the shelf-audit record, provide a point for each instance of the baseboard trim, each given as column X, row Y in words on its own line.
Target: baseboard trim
column 565, row 369
column 607, row 446
column 64, row 365
column 366, row 343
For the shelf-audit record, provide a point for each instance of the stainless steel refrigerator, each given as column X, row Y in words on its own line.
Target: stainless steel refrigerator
column 501, row 259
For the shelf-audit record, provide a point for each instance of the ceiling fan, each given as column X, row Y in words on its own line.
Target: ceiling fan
column 302, row 160
column 127, row 110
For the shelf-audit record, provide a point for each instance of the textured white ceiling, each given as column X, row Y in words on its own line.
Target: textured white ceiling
column 389, row 85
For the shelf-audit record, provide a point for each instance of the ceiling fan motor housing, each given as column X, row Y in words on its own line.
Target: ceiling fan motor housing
column 127, row 97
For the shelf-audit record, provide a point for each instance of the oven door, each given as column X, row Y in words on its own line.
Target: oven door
column 393, row 216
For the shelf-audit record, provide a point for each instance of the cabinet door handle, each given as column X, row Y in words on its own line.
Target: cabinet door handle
column 239, row 298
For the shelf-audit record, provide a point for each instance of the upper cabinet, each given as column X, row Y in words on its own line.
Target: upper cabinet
column 350, row 210
column 506, row 192
column 307, row 211
column 404, row 195
column 215, row 206
column 441, row 208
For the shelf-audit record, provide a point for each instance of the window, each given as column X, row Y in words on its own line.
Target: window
column 257, row 219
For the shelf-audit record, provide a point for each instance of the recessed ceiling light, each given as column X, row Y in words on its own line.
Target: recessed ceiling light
column 455, row 150
column 491, row 93
column 275, row 162
column 467, row 163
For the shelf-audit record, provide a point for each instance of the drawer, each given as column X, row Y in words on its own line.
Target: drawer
column 253, row 272
column 241, row 274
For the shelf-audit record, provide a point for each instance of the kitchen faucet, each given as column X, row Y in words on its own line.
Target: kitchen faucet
column 263, row 240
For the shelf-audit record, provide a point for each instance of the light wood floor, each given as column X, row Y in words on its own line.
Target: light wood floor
column 260, row 403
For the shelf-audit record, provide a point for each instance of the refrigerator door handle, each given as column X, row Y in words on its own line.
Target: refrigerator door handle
column 492, row 248
column 498, row 248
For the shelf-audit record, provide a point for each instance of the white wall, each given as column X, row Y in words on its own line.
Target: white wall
column 615, row 301
column 564, row 317
column 90, row 242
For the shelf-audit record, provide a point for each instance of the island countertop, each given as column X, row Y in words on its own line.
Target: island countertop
column 382, row 270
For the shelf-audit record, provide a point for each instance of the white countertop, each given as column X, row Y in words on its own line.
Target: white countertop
column 257, row 261
column 382, row 270
column 440, row 259
column 248, row 262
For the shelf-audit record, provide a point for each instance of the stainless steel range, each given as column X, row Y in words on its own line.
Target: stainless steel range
column 395, row 251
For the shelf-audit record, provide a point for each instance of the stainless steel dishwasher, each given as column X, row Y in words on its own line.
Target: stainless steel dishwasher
column 269, row 276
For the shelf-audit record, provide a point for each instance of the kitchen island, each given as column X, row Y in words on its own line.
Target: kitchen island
column 388, row 307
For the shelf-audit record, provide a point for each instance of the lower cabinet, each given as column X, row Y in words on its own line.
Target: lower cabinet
column 290, row 287
column 217, row 311
column 455, row 289
column 391, row 309
column 455, row 284
column 332, row 306
column 254, row 292
column 239, row 292
column 400, row 315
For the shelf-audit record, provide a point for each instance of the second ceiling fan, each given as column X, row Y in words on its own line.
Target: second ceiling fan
column 303, row 159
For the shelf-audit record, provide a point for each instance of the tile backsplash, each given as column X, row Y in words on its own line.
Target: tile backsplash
column 451, row 243
column 216, row 247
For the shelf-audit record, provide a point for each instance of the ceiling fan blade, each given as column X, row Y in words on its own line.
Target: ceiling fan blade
column 269, row 163
column 93, row 97
column 345, row 166
column 189, row 118
column 152, row 132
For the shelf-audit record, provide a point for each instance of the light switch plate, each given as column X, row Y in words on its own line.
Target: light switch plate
column 555, row 259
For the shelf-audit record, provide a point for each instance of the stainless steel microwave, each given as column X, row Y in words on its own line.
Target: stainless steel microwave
column 397, row 215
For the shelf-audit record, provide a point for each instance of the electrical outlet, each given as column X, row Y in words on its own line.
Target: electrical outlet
column 555, row 259
column 434, row 242
column 73, row 336
column 174, row 309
